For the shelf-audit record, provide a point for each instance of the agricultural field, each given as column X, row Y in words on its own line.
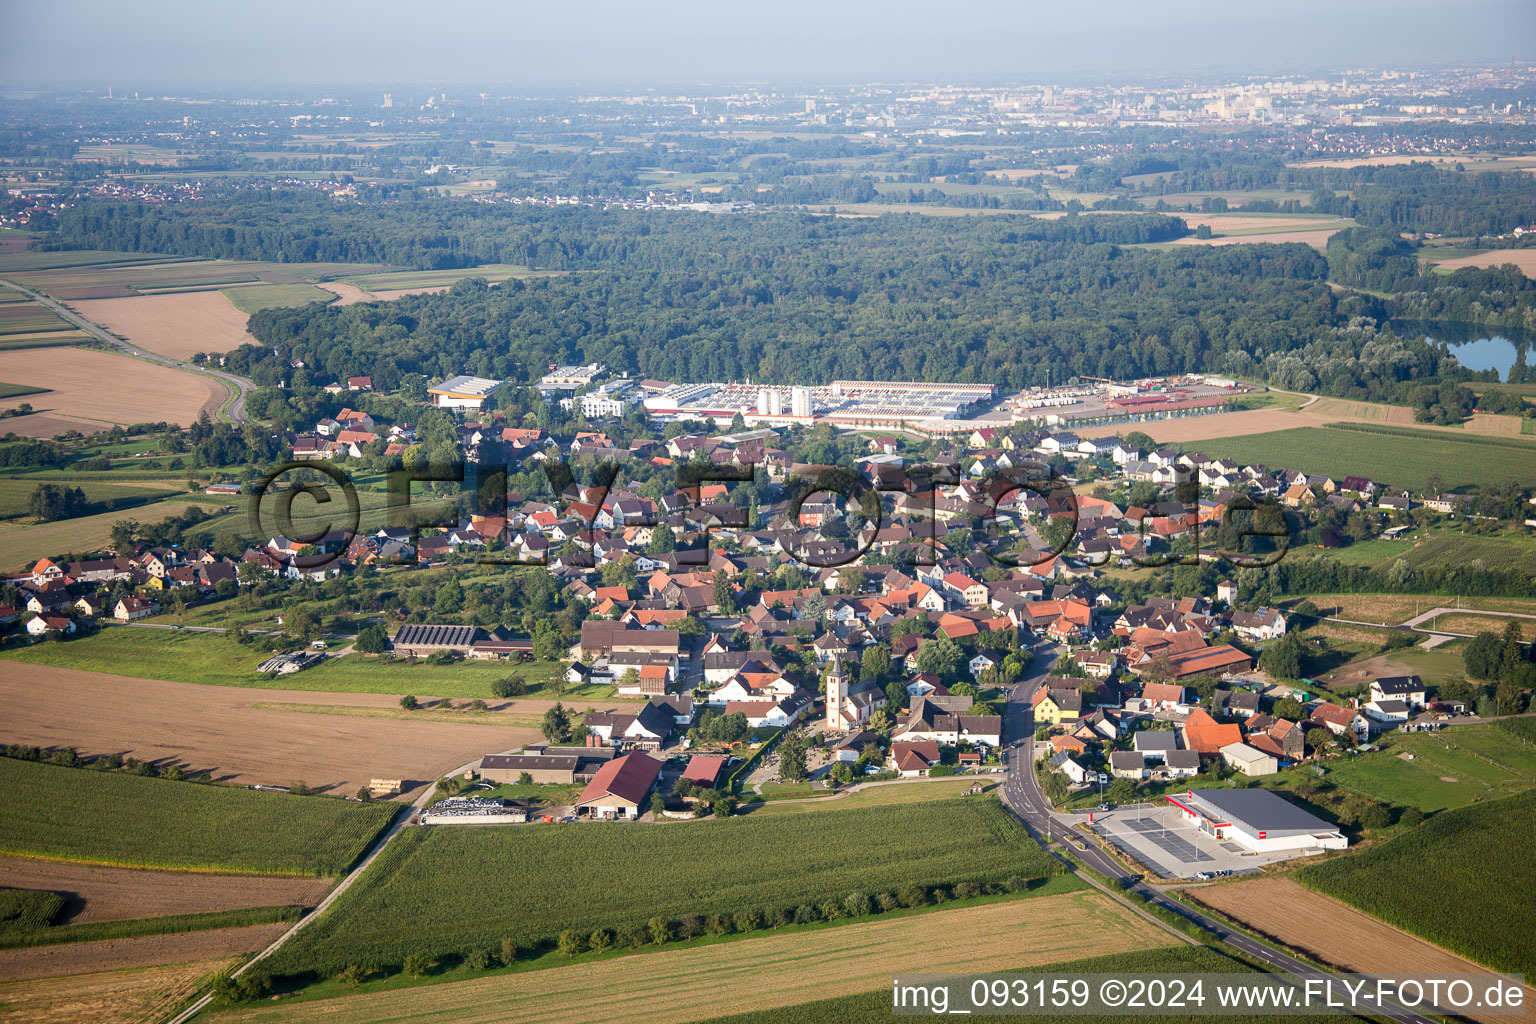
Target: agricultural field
column 254, row 298
column 27, row 318
column 594, row 875
column 147, row 275
column 119, row 819
column 103, row 894
column 22, row 545
column 217, row 659
column 102, row 495
column 393, row 284
column 178, row 324
column 140, row 390
column 1436, row 771
column 19, row 390
column 1471, row 623
column 109, row 997
column 874, row 795
column 1384, row 457
column 68, row 958
column 22, row 260
column 1524, row 259
column 253, row 736
column 1330, row 931
column 1470, row 908
column 1392, row 609
column 768, row 971
column 875, row 1007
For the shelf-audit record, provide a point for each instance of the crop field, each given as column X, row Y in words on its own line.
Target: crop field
column 97, row 389
column 44, row 339
column 1385, row 458
column 110, row 997
column 764, row 972
column 877, row 795
column 254, row 298
column 1331, row 931
column 1471, row 623
column 104, row 894
column 396, row 283
column 19, row 390
column 22, row 545
column 128, row 820
column 13, row 262
column 250, row 736
column 1452, row 550
column 1395, row 608
column 178, row 325
column 103, row 495
column 1472, row 908
column 139, row 951
column 875, row 1007
column 211, row 658
column 1449, row 769
column 28, row 910
column 28, row 318
column 1525, row 259
column 123, row 280
column 594, row 875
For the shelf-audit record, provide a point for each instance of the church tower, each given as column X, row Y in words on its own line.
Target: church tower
column 837, row 693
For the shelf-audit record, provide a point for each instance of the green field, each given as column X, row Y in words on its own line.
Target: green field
column 15, row 495
column 116, row 818
column 168, row 924
column 444, row 891
column 1485, row 762
column 875, row 796
column 389, row 281
column 19, row 390
column 254, row 298
column 218, row 659
column 14, row 261
column 29, row 318
column 1388, row 458
column 23, row 911
column 1462, row 880
column 45, row 339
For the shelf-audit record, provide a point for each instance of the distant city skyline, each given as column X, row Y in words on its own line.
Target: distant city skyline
column 93, row 44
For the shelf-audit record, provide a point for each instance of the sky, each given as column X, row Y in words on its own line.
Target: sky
column 214, row 43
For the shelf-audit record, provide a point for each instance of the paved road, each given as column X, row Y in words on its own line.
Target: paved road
column 1021, row 792
column 233, row 408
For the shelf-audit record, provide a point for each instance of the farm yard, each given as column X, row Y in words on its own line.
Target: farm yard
column 764, row 971
column 603, row 876
column 1469, row 909
column 240, row 737
column 100, row 893
column 120, row 819
column 92, row 390
column 179, row 324
column 1329, row 930
column 107, row 997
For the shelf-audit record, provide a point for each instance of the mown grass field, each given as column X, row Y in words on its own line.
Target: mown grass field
column 215, row 658
column 1388, row 459
column 1462, row 880
column 446, row 891
column 22, row 545
column 121, row 819
column 16, row 494
column 1451, row 768
column 255, row 298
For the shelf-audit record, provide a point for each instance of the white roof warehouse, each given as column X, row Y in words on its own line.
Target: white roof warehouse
column 1257, row 819
column 462, row 392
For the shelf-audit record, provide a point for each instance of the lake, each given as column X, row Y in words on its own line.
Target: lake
column 1476, row 347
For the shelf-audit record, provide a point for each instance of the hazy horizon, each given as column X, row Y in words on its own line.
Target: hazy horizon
column 93, row 44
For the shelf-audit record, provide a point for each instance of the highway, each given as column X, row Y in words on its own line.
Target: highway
column 234, row 406
column 1022, row 794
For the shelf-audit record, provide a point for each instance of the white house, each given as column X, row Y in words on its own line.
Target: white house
column 1408, row 689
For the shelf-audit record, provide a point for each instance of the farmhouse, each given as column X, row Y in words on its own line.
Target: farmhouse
column 620, row 787
column 1408, row 689
column 1257, row 820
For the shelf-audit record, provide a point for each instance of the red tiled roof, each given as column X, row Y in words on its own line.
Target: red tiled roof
column 629, row 778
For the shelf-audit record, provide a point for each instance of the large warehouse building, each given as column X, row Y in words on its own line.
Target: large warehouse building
column 1258, row 820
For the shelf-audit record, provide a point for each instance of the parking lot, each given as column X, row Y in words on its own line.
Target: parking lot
column 1159, row 837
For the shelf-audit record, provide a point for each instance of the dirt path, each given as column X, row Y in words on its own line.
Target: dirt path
column 115, row 894
column 349, row 293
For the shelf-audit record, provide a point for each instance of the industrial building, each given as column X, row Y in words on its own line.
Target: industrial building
column 1257, row 820
column 845, row 403
column 462, row 392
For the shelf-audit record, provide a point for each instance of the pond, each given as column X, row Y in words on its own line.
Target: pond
column 1476, row 347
